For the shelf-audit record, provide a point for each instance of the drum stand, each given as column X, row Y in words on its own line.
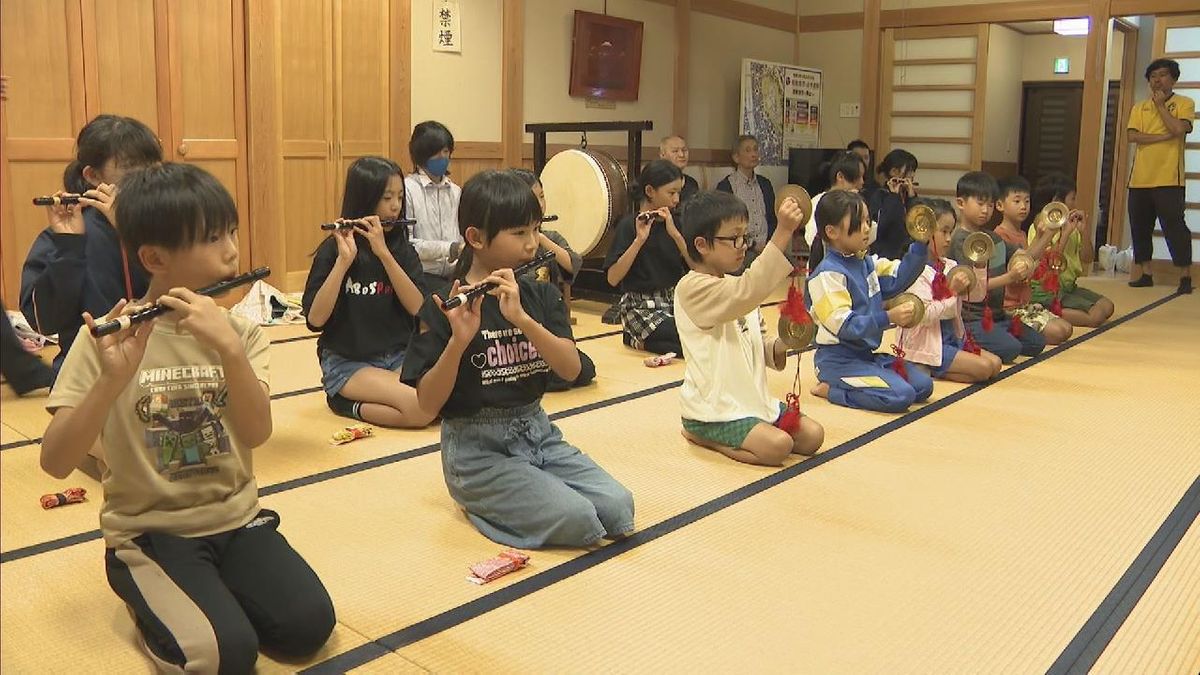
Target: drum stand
column 590, row 279
column 632, row 129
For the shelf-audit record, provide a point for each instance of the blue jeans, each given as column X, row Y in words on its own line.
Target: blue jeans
column 1001, row 343
column 835, row 362
column 522, row 485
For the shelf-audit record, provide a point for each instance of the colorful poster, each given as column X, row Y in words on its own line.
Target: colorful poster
column 781, row 107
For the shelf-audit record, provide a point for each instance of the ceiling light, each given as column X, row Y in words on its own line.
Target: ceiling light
column 1072, row 26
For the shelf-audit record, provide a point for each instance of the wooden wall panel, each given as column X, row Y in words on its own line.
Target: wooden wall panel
column 301, row 212
column 122, row 73
column 202, row 55
column 38, row 123
column 206, row 55
column 306, row 93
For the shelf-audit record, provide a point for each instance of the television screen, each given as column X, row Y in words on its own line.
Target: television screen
column 807, row 168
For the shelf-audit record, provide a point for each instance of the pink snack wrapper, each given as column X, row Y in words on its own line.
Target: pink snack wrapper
column 493, row 568
column 659, row 360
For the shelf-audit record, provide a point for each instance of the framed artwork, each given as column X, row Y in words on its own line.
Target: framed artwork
column 606, row 57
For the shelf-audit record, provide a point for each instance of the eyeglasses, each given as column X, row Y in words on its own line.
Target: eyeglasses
column 738, row 241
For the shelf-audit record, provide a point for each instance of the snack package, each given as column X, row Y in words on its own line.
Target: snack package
column 69, row 496
column 493, row 568
column 659, row 360
column 351, row 433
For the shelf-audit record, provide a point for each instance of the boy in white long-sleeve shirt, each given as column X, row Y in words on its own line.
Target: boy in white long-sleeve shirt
column 724, row 399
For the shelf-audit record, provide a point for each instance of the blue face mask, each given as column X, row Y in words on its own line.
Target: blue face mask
column 437, row 166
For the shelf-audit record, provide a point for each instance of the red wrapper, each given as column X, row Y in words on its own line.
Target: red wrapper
column 491, row 569
column 69, row 496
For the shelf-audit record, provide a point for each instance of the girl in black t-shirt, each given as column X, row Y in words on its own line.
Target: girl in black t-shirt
column 484, row 366
column 362, row 296
column 647, row 259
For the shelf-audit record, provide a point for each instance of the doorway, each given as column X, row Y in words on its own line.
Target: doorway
column 1050, row 114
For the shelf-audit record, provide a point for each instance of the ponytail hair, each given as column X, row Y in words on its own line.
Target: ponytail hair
column 110, row 137
column 655, row 174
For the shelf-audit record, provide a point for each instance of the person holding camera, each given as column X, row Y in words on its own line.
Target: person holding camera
column 888, row 202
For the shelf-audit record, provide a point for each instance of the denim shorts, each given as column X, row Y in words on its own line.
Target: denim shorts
column 336, row 369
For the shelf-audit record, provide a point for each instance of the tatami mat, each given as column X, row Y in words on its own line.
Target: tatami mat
column 10, row 435
column 59, row 615
column 1162, row 634
column 944, row 546
column 932, row 506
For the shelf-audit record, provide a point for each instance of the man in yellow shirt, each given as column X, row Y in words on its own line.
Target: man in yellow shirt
column 1159, row 127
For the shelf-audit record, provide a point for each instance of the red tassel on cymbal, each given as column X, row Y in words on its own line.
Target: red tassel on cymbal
column 789, row 421
column 1056, row 306
column 793, row 308
column 1015, row 327
column 898, row 363
column 1040, row 272
column 988, row 322
column 969, row 344
column 941, row 287
column 1050, row 284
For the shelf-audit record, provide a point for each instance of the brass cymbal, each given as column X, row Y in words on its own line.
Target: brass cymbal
column 967, row 274
column 1054, row 215
column 920, row 222
column 803, row 199
column 918, row 307
column 1021, row 259
column 796, row 335
column 978, row 248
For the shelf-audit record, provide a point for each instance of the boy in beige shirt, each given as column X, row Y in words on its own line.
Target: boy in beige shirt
column 178, row 403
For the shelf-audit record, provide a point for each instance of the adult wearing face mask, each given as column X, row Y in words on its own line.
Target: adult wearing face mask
column 431, row 199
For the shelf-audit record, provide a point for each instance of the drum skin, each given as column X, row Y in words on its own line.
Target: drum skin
column 588, row 192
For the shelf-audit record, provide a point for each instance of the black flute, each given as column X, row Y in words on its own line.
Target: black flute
column 387, row 224
column 483, row 288
column 55, row 201
column 651, row 217
column 549, row 219
column 127, row 320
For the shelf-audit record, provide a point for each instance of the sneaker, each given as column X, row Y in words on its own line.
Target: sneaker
column 1185, row 285
column 1145, row 281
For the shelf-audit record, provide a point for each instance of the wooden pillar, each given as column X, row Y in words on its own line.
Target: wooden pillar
column 1095, row 94
column 869, row 110
column 1117, row 214
column 683, row 41
column 401, row 79
column 264, row 148
column 512, row 131
column 796, row 36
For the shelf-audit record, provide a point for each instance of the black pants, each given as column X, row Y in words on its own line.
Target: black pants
column 664, row 339
column 208, row 603
column 1164, row 204
column 24, row 371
